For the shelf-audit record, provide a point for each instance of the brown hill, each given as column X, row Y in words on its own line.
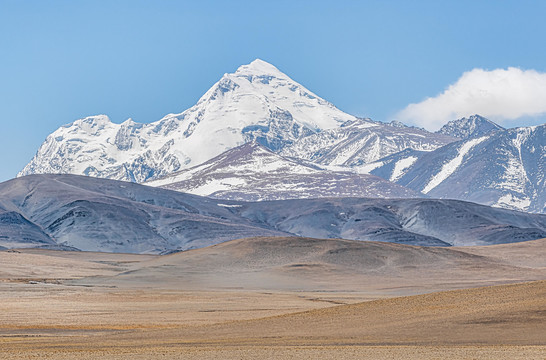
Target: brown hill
column 304, row 264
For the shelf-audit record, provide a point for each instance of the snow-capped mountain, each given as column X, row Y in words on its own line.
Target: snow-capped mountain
column 68, row 211
column 257, row 102
column 252, row 172
column 489, row 165
column 356, row 142
column 505, row 169
column 471, row 127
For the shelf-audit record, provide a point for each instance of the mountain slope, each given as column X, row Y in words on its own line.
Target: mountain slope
column 105, row 215
column 356, row 143
column 426, row 222
column 252, row 172
column 471, row 127
column 113, row 216
column 505, row 169
column 17, row 231
column 392, row 167
column 257, row 102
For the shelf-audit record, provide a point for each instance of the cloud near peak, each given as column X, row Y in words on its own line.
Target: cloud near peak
column 500, row 94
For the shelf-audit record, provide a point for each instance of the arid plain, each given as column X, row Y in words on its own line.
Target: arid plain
column 285, row 298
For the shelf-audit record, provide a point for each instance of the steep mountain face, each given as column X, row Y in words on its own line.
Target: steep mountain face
column 471, row 127
column 257, row 102
column 356, row 142
column 251, row 172
column 86, row 213
column 504, row 169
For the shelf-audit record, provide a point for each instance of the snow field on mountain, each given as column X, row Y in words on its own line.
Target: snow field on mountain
column 400, row 166
column 450, row 167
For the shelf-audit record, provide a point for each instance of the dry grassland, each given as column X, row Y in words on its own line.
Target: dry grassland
column 389, row 302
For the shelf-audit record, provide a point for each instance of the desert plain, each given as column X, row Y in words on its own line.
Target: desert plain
column 278, row 298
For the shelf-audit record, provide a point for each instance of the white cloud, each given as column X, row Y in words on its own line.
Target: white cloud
column 500, row 94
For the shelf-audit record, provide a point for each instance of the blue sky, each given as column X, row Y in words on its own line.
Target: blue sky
column 63, row 60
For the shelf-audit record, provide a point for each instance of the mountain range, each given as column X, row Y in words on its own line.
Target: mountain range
column 356, row 142
column 504, row 168
column 312, row 149
column 255, row 103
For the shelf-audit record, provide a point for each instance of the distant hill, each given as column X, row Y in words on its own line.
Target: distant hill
column 106, row 215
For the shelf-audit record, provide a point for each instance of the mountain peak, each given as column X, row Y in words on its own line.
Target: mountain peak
column 257, row 102
column 91, row 125
column 479, row 118
column 95, row 119
column 259, row 67
column 471, row 127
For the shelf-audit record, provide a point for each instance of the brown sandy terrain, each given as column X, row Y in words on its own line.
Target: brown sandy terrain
column 525, row 254
column 506, row 314
column 341, row 352
column 502, row 322
column 331, row 265
column 50, row 265
column 276, row 298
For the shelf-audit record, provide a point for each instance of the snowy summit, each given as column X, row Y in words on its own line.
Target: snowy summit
column 256, row 102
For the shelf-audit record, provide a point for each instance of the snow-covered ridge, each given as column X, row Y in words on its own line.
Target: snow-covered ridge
column 505, row 168
column 363, row 141
column 255, row 103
